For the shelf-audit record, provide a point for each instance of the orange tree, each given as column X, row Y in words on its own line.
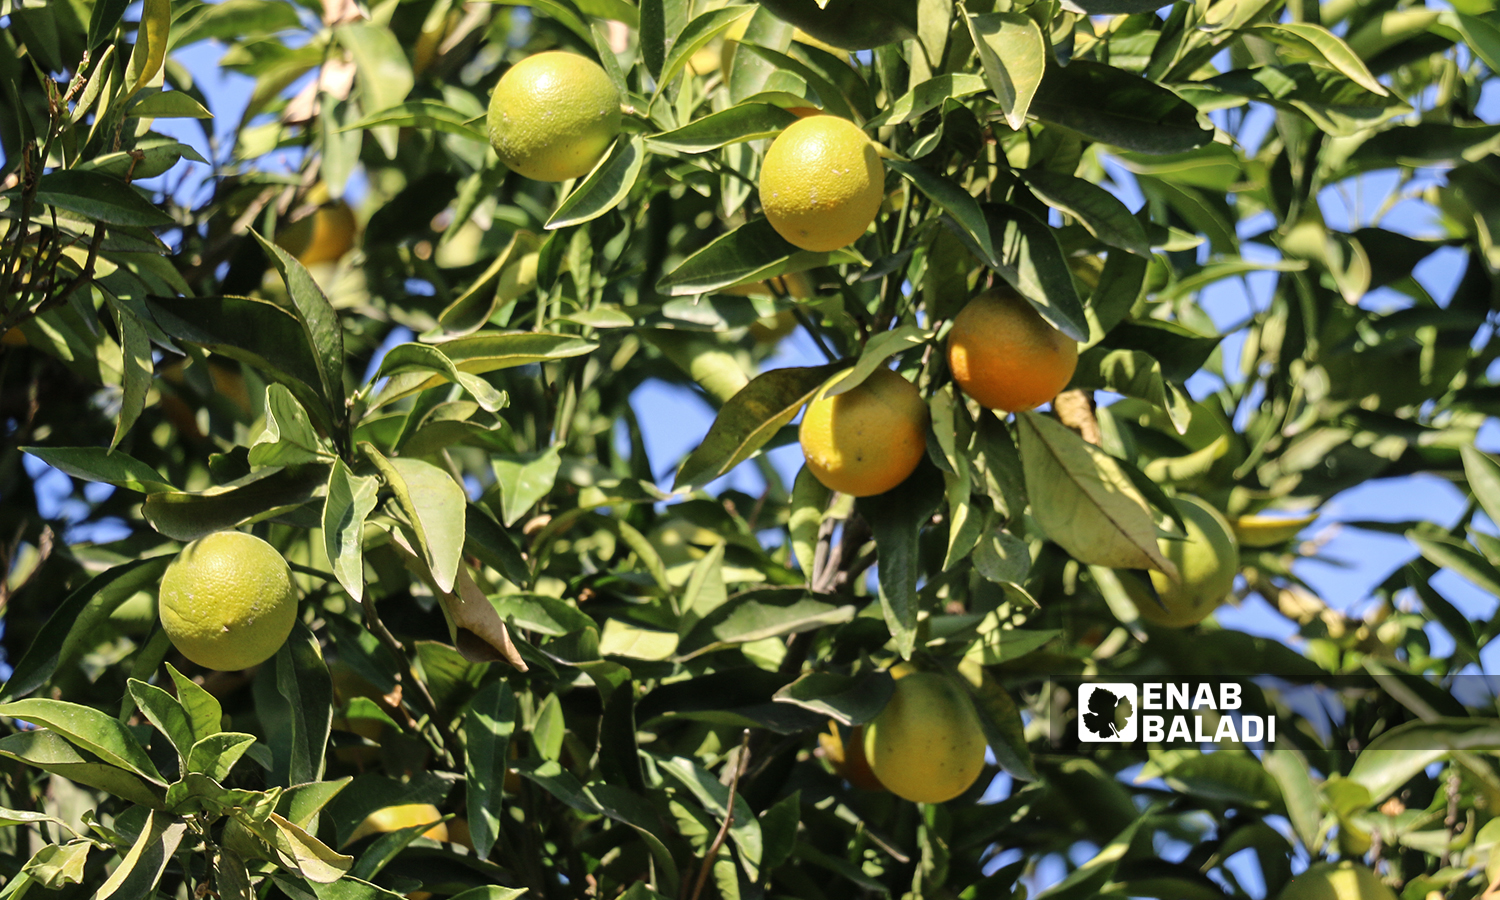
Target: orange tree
column 601, row 684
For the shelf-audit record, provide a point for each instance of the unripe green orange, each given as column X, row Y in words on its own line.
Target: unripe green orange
column 822, row 183
column 553, row 115
column 1206, row 563
column 227, row 601
column 1347, row 880
column 927, row 744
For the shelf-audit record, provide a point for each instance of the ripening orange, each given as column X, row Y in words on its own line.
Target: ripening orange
column 822, row 183
column 1006, row 356
column 868, row 440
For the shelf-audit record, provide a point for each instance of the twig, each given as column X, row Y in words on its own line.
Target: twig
column 1452, row 819
column 1075, row 409
column 734, row 783
column 383, row 634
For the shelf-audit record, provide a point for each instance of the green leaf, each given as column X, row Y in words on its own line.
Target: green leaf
column 487, row 729
column 146, row 58
column 1482, row 37
column 758, row 615
column 1239, row 779
column 1303, row 801
column 434, row 506
column 849, row 699
column 695, row 36
column 385, row 76
column 294, row 700
column 511, row 275
column 477, row 354
column 142, row 867
column 55, row 866
column 1134, row 373
column 833, row 100
column 203, row 710
column 1321, row 47
column 962, row 208
column 114, row 467
column 135, row 382
column 289, row 437
column 605, row 187
column 751, row 252
column 745, row 122
column 428, row 115
column 166, row 713
column 1002, row 557
column 714, row 797
column 879, row 349
column 1483, row 474
column 927, row 96
column 524, row 481
column 417, row 361
column 96, row 196
column 216, row 754
column 233, row 20
column 749, row 420
column 261, row 334
column 323, row 333
column 1451, row 553
column 1014, row 55
column 261, row 495
column 349, row 502
column 1030, row 259
column 1096, row 209
column 48, row 751
column 1083, row 500
column 896, row 519
column 1112, row 106
column 705, row 590
column 1400, row 754
column 168, row 105
column 89, row 729
column 809, row 500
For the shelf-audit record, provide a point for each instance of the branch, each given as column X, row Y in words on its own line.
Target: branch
column 734, row 784
column 1075, row 409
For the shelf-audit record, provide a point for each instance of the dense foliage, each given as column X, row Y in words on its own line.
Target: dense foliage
column 493, row 582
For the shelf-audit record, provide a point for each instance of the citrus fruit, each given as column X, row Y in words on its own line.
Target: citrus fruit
column 1270, row 531
column 1207, row 563
column 227, row 601
column 1006, row 356
column 1345, row 880
column 867, row 440
column 847, row 756
column 553, row 115
column 927, row 744
column 405, row 815
column 850, row 24
column 323, row 237
column 822, row 183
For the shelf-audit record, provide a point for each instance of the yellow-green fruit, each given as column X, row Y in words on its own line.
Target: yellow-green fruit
column 1206, row 563
column 1270, row 531
column 395, row 818
column 867, row 440
column 553, row 115
column 1345, row 880
column 927, row 744
column 227, row 601
column 821, row 183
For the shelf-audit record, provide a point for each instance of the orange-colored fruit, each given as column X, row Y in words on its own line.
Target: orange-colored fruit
column 867, row 440
column 395, row 818
column 822, row 183
column 847, row 757
column 553, row 115
column 323, row 237
column 1006, row 356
